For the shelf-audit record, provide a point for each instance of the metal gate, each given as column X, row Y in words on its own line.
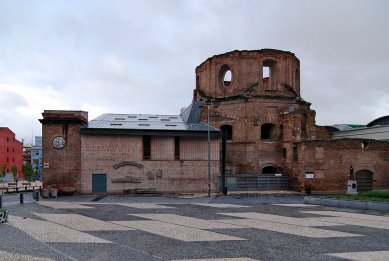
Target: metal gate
column 364, row 180
column 99, row 183
column 247, row 182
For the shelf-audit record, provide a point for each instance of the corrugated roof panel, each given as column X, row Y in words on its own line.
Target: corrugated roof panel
column 146, row 122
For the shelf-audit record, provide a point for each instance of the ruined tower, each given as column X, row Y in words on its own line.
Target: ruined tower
column 255, row 98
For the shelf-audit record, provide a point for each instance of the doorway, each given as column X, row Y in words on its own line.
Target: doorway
column 99, row 183
column 364, row 180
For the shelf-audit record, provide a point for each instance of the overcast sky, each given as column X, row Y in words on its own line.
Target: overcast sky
column 140, row 56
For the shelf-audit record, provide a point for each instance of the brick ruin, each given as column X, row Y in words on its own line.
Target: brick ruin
column 255, row 99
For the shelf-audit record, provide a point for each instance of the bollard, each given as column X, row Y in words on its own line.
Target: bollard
column 35, row 195
column 21, row 198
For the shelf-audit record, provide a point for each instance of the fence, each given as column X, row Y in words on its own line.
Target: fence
column 249, row 182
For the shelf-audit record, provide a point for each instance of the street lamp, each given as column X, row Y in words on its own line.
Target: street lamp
column 210, row 103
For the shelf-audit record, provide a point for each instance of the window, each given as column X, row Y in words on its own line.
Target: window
column 225, row 76
column 304, row 125
column 295, row 155
column 267, row 131
column 269, row 170
column 7, row 149
column 284, row 153
column 227, row 130
column 266, row 72
column 177, row 148
column 146, row 147
column 13, row 149
column 269, row 74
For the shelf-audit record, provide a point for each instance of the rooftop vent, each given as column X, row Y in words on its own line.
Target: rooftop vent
column 116, row 124
column 119, row 119
column 165, row 119
column 131, row 116
column 170, row 125
column 143, row 124
column 143, row 119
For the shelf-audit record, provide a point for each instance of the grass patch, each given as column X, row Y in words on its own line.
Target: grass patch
column 373, row 195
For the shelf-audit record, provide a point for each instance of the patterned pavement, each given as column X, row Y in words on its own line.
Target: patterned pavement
column 161, row 228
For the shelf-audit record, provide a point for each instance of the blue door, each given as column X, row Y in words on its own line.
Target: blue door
column 99, row 183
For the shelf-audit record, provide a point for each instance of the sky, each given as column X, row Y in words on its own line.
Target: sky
column 140, row 56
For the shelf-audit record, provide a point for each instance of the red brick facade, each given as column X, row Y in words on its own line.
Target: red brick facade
column 254, row 97
column 62, row 165
column 121, row 159
column 273, row 128
column 11, row 151
column 104, row 153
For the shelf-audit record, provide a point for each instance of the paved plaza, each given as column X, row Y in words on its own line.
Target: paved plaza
column 228, row 228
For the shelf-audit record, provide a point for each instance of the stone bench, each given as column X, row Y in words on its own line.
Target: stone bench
column 146, row 191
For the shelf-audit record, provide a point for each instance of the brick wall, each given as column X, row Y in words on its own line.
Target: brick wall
column 100, row 153
column 295, row 144
column 61, row 167
column 330, row 162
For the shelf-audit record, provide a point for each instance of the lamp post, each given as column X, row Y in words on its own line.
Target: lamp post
column 210, row 103
column 209, row 153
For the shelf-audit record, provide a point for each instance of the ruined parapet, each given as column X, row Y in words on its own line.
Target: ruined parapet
column 265, row 72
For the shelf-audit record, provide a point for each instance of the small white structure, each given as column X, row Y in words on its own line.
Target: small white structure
column 352, row 187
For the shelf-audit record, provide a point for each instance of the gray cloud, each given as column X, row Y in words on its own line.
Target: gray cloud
column 140, row 56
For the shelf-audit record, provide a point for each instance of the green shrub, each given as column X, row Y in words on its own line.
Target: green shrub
column 376, row 194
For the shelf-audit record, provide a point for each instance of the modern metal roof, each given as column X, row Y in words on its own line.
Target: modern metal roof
column 344, row 127
column 384, row 120
column 145, row 122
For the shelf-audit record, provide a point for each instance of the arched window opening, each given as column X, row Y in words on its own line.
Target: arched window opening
column 269, row 170
column 227, row 130
column 304, row 125
column 295, row 155
column 267, row 131
column 284, row 153
column 266, row 72
column 225, row 76
column 281, row 131
column 269, row 74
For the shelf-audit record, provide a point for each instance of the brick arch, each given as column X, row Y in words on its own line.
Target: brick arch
column 127, row 163
column 364, row 180
column 268, row 168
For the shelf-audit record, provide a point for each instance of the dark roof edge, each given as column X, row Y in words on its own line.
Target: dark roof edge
column 128, row 132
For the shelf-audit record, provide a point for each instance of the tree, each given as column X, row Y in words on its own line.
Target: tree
column 36, row 173
column 27, row 170
column 14, row 171
column 3, row 169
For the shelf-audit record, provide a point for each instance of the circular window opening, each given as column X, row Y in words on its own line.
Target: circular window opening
column 225, row 76
column 364, row 144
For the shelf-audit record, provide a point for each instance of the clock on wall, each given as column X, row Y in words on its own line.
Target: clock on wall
column 59, row 142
